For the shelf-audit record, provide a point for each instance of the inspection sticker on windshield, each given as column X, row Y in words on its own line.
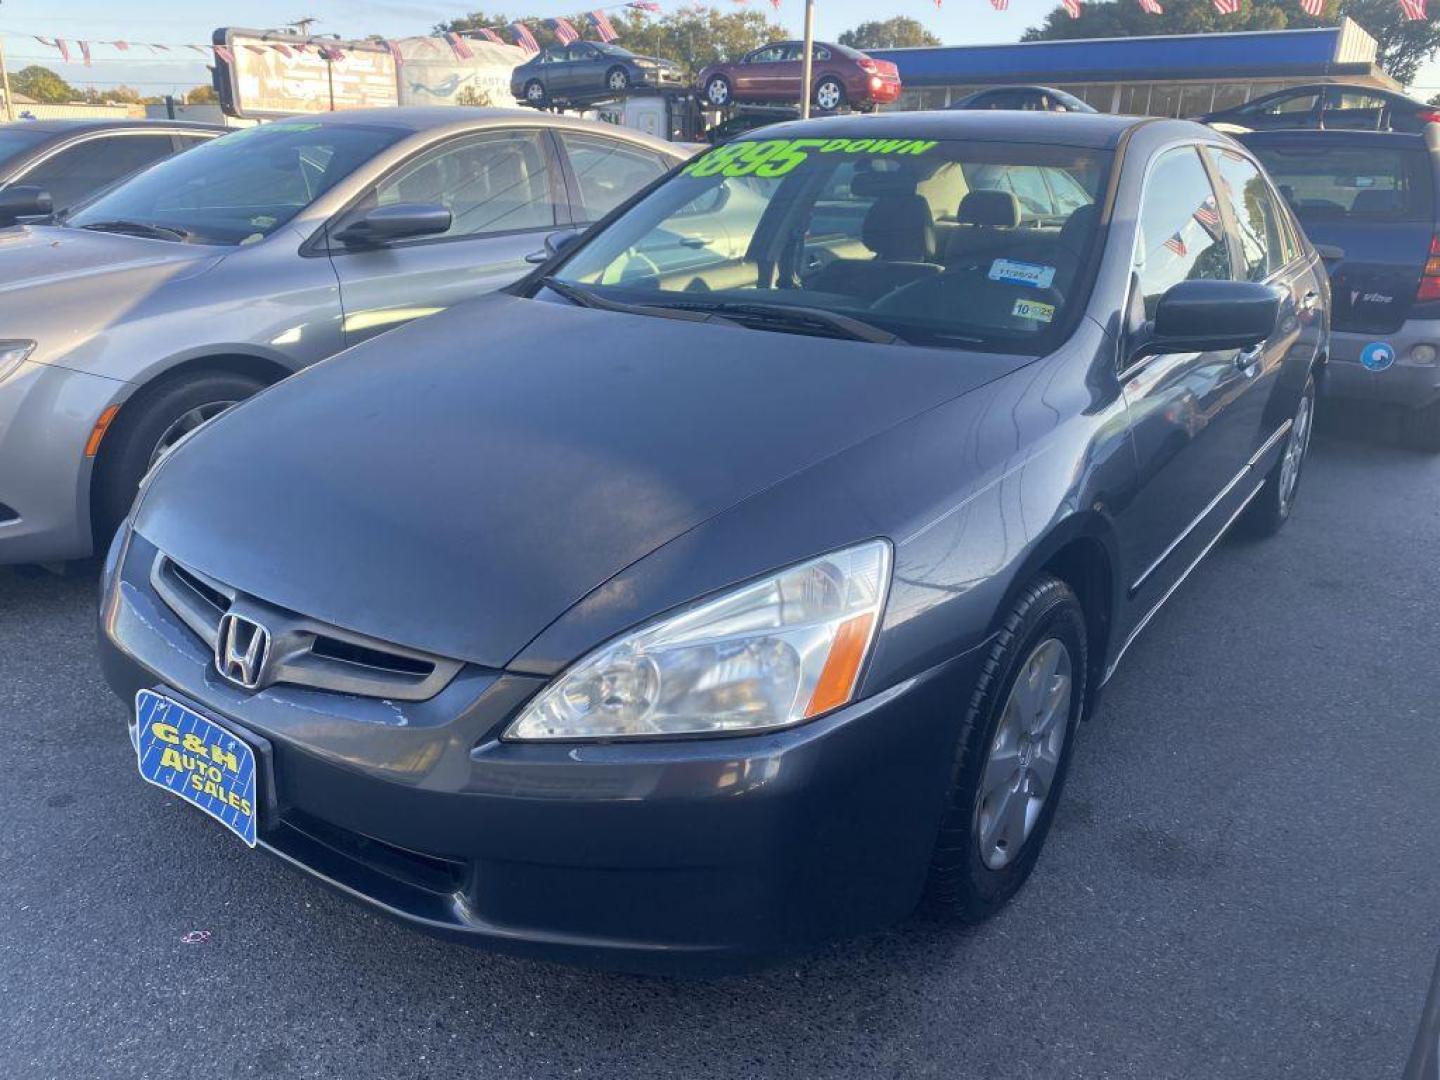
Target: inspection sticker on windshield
column 198, row 760
column 1022, row 273
column 1033, row 309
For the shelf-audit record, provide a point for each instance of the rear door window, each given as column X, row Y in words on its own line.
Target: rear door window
column 1257, row 218
column 95, row 163
column 608, row 171
column 1367, row 183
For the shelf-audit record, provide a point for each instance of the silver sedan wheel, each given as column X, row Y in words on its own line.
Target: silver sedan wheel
column 186, row 424
column 1024, row 757
column 827, row 95
column 1295, row 449
column 619, row 80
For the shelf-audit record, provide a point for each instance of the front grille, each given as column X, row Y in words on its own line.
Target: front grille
column 303, row 651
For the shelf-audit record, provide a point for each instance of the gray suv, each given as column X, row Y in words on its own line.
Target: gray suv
column 148, row 311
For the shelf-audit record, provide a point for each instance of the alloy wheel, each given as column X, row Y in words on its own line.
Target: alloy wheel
column 535, row 93
column 618, row 80
column 1023, row 760
column 184, row 425
column 1296, row 447
column 828, row 94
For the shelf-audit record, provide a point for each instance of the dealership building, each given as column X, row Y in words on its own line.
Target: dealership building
column 1169, row 75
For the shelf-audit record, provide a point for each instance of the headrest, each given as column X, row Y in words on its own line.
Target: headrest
column 1075, row 233
column 987, row 206
column 874, row 183
column 1375, row 202
column 900, row 228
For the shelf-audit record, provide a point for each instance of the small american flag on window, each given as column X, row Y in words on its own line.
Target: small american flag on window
column 1208, row 216
column 564, row 32
column 523, row 37
column 1176, row 244
column 1414, row 10
column 603, row 27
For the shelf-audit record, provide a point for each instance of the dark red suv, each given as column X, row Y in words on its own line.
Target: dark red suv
column 840, row 76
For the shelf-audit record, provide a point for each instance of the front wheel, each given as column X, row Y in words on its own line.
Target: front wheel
column 149, row 427
column 1013, row 753
column 717, row 91
column 829, row 94
column 1273, row 506
column 618, row 80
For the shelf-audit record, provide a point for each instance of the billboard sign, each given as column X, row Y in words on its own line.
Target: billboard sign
column 270, row 74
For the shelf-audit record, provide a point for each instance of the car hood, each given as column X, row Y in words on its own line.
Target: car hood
column 458, row 484
column 42, row 255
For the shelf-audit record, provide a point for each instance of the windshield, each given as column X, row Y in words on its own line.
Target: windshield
column 974, row 245
column 242, row 187
column 15, row 140
column 1367, row 183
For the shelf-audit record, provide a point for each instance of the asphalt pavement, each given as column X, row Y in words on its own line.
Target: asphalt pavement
column 1243, row 881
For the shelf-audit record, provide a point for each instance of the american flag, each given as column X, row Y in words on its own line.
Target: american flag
column 1231, row 7
column 85, row 51
column 1072, row 8
column 458, row 46
column 490, row 35
column 224, row 54
column 1151, row 7
column 644, row 5
column 1176, row 244
column 523, row 37
column 1414, row 9
column 564, row 32
column 64, row 49
column 1315, row 8
column 123, row 46
column 1000, row 5
column 1208, row 216
column 603, row 28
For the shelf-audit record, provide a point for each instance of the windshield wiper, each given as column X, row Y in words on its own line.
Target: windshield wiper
column 792, row 317
column 140, row 228
column 582, row 297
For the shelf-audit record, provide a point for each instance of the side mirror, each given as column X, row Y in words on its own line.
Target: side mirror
column 399, row 221
column 555, row 243
column 22, row 202
column 1210, row 316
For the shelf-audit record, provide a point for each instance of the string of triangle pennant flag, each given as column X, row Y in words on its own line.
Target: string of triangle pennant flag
column 521, row 34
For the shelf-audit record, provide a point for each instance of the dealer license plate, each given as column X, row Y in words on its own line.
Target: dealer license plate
column 197, row 759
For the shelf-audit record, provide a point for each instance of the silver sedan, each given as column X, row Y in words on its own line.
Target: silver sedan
column 152, row 309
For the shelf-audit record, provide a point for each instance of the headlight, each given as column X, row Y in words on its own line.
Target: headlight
column 767, row 655
column 12, row 355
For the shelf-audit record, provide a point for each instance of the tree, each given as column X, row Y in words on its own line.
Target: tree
column 901, row 32
column 201, row 95
column 116, row 95
column 1403, row 45
column 692, row 36
column 42, row 84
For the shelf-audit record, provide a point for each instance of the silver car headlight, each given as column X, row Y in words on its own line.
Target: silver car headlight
column 12, row 355
column 766, row 655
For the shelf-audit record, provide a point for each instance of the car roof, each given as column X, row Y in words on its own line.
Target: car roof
column 72, row 127
column 460, row 118
column 1098, row 130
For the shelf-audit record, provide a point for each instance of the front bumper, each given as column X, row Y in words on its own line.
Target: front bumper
column 46, row 416
column 1403, row 383
column 701, row 855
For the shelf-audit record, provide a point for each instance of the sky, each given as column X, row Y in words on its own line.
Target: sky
column 957, row 22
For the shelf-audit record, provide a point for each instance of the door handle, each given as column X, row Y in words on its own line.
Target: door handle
column 1247, row 357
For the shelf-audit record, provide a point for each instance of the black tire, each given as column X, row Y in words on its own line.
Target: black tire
column 535, row 94
column 832, row 89
column 1420, row 428
column 719, row 85
column 961, row 885
column 617, row 80
column 128, row 447
column 1274, row 505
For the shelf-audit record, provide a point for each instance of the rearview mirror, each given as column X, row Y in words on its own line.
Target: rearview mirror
column 555, row 243
column 399, row 221
column 1210, row 316
column 22, row 202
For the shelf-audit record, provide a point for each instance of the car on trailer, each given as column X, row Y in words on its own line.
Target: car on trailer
column 586, row 71
column 841, row 77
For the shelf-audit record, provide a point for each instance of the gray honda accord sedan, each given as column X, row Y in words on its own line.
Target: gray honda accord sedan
column 753, row 583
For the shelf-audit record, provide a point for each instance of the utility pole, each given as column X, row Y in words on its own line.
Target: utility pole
column 807, row 64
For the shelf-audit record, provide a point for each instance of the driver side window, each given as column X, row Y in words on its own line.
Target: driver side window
column 1181, row 237
column 494, row 183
